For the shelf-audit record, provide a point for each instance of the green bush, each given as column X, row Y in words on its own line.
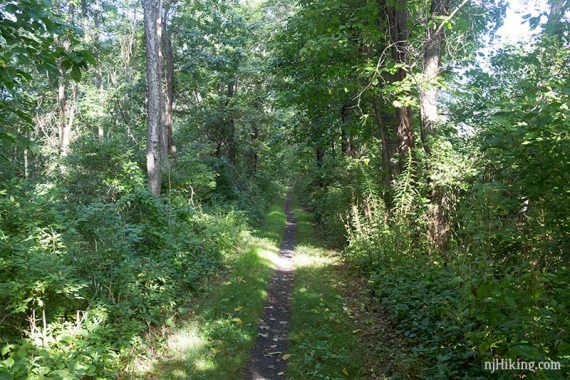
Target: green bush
column 89, row 265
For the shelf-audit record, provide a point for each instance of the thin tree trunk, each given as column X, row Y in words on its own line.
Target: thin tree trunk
column 169, row 79
column 347, row 149
column 320, row 154
column 98, row 68
column 231, row 138
column 61, row 108
column 398, row 19
column 386, row 149
column 66, row 112
column 71, row 109
column 254, row 156
column 26, row 165
column 152, row 27
column 99, row 86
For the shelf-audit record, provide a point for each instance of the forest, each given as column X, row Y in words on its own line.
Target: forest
column 284, row 189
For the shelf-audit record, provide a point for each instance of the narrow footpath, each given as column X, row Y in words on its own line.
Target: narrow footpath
column 269, row 358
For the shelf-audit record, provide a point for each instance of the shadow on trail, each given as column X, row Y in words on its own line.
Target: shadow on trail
column 215, row 341
column 323, row 340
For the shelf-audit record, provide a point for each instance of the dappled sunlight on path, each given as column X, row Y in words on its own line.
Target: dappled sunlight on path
column 214, row 341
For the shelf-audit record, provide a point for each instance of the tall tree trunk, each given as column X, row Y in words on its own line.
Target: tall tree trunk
column 231, row 131
column 153, row 31
column 254, row 156
column 62, row 110
column 99, row 86
column 435, row 39
column 347, row 149
column 98, row 68
column 398, row 27
column 169, row 79
column 66, row 109
column 387, row 151
column 320, row 154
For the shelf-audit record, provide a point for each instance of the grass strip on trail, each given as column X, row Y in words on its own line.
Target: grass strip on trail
column 322, row 339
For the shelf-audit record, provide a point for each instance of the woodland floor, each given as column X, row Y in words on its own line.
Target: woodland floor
column 288, row 311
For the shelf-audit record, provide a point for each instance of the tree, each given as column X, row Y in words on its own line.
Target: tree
column 153, row 38
column 397, row 13
column 169, row 80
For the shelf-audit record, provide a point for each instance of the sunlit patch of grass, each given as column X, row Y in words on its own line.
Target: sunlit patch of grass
column 274, row 223
column 322, row 344
column 216, row 339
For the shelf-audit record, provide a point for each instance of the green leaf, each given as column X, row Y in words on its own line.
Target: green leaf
column 75, row 74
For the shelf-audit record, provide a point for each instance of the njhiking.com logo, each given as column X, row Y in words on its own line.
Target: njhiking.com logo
column 519, row 365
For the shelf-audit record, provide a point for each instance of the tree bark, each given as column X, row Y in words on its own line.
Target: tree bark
column 435, row 38
column 231, row 131
column 62, row 110
column 398, row 28
column 320, row 154
column 169, row 79
column 347, row 149
column 387, row 151
column 153, row 31
column 254, row 156
column 98, row 68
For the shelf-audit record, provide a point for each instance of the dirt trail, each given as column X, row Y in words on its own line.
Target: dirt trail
column 269, row 358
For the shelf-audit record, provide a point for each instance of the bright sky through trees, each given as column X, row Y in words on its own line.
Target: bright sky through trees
column 514, row 28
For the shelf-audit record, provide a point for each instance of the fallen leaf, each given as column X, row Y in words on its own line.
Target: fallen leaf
column 345, row 371
column 286, row 356
column 281, row 374
column 237, row 320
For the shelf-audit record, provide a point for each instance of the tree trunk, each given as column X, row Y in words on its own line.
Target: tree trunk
column 169, row 79
column 387, row 151
column 320, row 156
column 432, row 65
column 98, row 68
column 62, row 108
column 71, row 109
column 254, row 156
column 99, row 86
column 66, row 112
column 398, row 19
column 347, row 149
column 231, row 131
column 153, row 30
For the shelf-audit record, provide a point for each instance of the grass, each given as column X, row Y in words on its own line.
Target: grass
column 323, row 342
column 215, row 340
